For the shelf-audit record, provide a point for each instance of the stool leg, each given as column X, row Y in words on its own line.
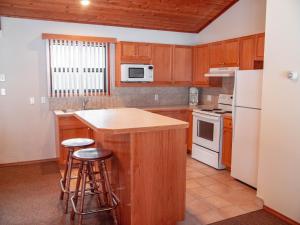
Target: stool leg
column 65, row 175
column 90, row 172
column 94, row 183
column 109, row 192
column 102, row 181
column 68, row 181
column 77, row 189
column 82, row 193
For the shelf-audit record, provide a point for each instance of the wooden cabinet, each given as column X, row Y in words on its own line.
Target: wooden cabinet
column 231, row 52
column 182, row 64
column 216, row 54
column 260, row 46
column 69, row 127
column 162, row 61
column 201, row 66
column 227, row 142
column 180, row 114
column 252, row 52
column 134, row 52
column 224, row 53
column 247, row 50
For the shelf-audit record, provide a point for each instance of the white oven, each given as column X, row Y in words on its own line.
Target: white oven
column 137, row 73
column 206, row 131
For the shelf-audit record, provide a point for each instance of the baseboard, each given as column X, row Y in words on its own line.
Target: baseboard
column 280, row 216
column 28, row 162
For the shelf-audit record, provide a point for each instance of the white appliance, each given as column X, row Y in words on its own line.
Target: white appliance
column 222, row 72
column 137, row 73
column 246, row 125
column 207, row 132
column 194, row 96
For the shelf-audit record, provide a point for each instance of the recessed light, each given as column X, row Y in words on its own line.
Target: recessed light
column 85, row 2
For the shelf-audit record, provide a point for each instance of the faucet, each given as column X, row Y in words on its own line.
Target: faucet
column 84, row 103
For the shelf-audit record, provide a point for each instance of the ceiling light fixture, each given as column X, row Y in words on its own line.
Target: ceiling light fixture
column 85, row 2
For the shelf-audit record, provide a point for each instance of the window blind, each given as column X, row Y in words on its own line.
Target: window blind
column 77, row 68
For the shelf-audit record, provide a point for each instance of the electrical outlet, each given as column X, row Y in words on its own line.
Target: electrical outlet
column 31, row 100
column 209, row 98
column 2, row 77
column 3, row 91
column 156, row 97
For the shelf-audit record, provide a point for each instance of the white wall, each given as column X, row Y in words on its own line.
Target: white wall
column 243, row 18
column 279, row 159
column 27, row 131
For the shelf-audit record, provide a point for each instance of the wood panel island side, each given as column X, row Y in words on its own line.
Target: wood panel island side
column 148, row 169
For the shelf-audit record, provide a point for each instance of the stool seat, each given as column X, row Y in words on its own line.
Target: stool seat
column 92, row 154
column 77, row 142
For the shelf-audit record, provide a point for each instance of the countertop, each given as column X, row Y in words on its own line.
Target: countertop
column 127, row 120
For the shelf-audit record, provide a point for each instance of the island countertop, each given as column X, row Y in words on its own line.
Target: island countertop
column 127, row 120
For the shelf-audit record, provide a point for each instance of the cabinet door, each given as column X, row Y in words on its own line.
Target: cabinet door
column 247, row 51
column 216, row 54
column 162, row 60
column 143, row 50
column 231, row 52
column 201, row 65
column 227, row 147
column 182, row 65
column 260, row 45
column 128, row 49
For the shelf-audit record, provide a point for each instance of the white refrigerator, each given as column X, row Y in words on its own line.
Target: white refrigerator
column 246, row 125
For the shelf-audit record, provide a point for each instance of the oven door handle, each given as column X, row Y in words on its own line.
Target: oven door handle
column 212, row 118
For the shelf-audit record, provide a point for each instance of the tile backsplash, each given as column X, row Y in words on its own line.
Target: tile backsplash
column 127, row 97
column 210, row 95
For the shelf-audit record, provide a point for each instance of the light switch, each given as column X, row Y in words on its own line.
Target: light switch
column 3, row 91
column 2, row 77
column 31, row 100
column 43, row 99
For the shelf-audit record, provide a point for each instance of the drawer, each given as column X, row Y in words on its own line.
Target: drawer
column 228, row 123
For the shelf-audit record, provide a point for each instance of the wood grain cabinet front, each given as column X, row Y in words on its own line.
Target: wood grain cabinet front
column 162, row 56
column 185, row 115
column 227, row 142
column 182, row 65
column 69, row 127
column 201, row 57
column 135, row 52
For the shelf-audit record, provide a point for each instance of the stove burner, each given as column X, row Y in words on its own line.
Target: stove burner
column 217, row 109
column 220, row 112
column 207, row 110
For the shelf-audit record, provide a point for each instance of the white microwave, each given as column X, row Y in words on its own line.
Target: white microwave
column 136, row 73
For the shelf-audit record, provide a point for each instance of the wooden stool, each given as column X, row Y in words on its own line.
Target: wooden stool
column 71, row 145
column 87, row 158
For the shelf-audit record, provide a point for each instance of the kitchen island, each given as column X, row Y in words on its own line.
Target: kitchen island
column 149, row 165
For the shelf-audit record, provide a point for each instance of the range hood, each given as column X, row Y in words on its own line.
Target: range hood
column 222, row 72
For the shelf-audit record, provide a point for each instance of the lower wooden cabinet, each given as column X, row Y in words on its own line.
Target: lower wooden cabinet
column 185, row 115
column 69, row 127
column 227, row 142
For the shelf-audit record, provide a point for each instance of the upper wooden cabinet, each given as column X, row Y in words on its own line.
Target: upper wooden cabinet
column 231, row 52
column 252, row 52
column 224, row 53
column 216, row 54
column 162, row 56
column 260, row 46
column 201, row 56
column 182, row 64
column 134, row 52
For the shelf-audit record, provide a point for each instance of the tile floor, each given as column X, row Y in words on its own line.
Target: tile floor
column 213, row 195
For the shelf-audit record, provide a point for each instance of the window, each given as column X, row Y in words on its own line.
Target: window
column 78, row 68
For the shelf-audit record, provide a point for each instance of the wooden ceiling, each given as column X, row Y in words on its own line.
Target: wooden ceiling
column 173, row 15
